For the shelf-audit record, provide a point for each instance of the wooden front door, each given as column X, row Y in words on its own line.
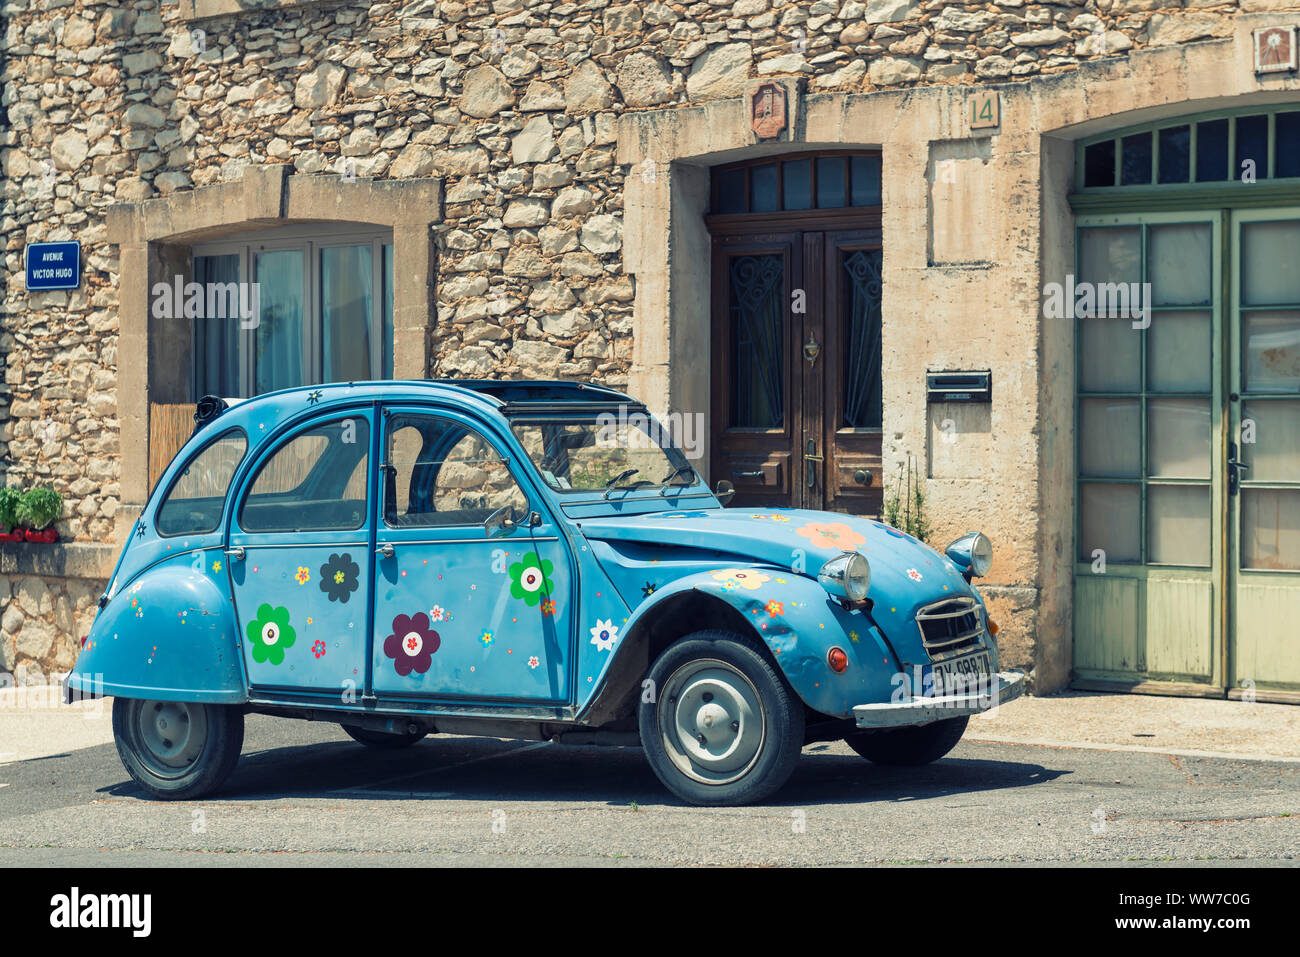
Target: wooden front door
column 796, row 367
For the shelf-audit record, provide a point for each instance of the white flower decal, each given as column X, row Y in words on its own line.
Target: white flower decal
column 913, row 574
column 746, row 578
column 604, row 635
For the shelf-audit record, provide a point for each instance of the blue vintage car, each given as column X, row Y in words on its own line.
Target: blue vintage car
column 519, row 559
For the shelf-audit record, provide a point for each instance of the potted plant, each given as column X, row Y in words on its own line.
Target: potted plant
column 9, row 530
column 39, row 508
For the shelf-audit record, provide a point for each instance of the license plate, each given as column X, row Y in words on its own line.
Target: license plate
column 964, row 675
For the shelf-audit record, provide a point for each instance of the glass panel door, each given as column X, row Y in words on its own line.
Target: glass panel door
column 278, row 353
column 1149, row 542
column 1264, row 452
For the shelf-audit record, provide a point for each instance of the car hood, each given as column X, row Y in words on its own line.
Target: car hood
column 906, row 574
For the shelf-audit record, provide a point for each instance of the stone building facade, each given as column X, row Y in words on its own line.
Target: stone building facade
column 538, row 186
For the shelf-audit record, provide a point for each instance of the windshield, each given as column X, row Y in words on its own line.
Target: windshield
column 604, row 453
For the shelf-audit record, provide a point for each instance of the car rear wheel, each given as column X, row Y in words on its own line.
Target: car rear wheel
column 724, row 727
column 177, row 750
column 909, row 746
column 382, row 740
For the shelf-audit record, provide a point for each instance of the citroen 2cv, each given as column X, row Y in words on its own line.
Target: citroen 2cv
column 519, row 559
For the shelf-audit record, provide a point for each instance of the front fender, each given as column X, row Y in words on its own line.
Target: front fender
column 170, row 636
column 799, row 623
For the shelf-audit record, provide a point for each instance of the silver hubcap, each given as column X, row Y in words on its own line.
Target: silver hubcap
column 171, row 735
column 712, row 721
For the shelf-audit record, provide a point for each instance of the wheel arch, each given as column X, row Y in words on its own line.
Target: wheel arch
column 667, row 621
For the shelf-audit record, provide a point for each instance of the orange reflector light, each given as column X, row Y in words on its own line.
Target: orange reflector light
column 993, row 627
column 838, row 660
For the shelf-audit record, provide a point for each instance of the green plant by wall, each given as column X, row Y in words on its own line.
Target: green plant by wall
column 40, row 507
column 9, row 498
column 904, row 506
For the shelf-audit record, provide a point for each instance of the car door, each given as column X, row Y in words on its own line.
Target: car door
column 460, row 613
column 299, row 556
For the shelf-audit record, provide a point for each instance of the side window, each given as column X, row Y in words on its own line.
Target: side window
column 442, row 473
column 314, row 482
column 193, row 504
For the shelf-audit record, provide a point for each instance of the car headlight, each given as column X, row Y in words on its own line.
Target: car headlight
column 973, row 552
column 846, row 576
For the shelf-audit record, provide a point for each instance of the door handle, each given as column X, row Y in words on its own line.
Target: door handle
column 1235, row 468
column 755, row 474
column 385, row 549
column 236, row 554
column 810, row 459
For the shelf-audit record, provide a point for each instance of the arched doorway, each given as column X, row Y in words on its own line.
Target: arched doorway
column 1188, row 417
column 796, row 329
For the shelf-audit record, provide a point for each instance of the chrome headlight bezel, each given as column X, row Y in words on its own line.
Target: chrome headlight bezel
column 846, row 576
column 973, row 552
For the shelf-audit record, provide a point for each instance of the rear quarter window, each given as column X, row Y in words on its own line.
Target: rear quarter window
column 196, row 499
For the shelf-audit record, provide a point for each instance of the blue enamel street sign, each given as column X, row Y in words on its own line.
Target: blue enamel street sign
column 53, row 265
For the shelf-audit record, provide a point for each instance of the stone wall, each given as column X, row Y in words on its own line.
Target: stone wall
column 516, row 106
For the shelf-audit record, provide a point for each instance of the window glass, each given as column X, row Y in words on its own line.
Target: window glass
column 219, row 371
column 1099, row 164
column 588, row 456
column 763, row 193
column 194, row 503
column 1286, row 146
column 1252, row 146
column 439, row 473
column 865, row 172
column 386, row 333
column 346, row 303
column 1176, row 154
column 314, row 482
column 832, row 189
column 796, row 179
column 731, row 191
column 1135, row 160
column 1110, row 519
column 279, row 330
column 1212, row 151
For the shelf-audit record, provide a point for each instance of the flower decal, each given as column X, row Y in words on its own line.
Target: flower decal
column 412, row 644
column 548, row 606
column 530, row 580
column 533, row 661
column 604, row 635
column 436, row 613
column 745, row 578
column 832, row 535
column 913, row 574
column 338, row 577
column 775, row 608
column 318, row 649
column 487, row 638
column 303, row 576
column 270, row 634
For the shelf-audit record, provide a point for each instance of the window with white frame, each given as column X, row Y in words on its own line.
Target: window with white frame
column 324, row 309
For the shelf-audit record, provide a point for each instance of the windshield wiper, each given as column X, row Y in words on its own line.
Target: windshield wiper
column 614, row 483
column 680, row 470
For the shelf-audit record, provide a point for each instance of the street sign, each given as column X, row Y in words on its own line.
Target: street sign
column 53, row 265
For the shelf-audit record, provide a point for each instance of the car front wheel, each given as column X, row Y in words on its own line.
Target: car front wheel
column 909, row 746
column 177, row 750
column 724, row 727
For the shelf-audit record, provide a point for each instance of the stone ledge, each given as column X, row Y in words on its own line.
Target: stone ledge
column 61, row 560
column 207, row 9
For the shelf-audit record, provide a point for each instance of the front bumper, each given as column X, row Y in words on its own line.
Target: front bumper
column 903, row 712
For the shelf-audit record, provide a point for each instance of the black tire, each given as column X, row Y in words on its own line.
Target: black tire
column 908, row 747
column 171, row 766
column 381, row 740
column 754, row 708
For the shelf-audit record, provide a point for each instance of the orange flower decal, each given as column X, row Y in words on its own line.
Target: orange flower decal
column 832, row 535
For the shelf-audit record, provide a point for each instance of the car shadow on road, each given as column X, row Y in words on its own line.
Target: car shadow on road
column 489, row 769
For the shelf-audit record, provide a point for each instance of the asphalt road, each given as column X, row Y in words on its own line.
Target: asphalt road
column 304, row 794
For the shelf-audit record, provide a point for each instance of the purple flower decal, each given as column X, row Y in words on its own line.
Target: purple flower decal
column 412, row 644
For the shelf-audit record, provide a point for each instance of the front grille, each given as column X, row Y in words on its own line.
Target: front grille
column 949, row 626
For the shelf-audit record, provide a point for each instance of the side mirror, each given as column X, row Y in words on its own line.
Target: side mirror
column 724, row 491
column 501, row 521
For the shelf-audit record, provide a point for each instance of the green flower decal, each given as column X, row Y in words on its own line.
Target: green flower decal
column 270, row 633
column 530, row 579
